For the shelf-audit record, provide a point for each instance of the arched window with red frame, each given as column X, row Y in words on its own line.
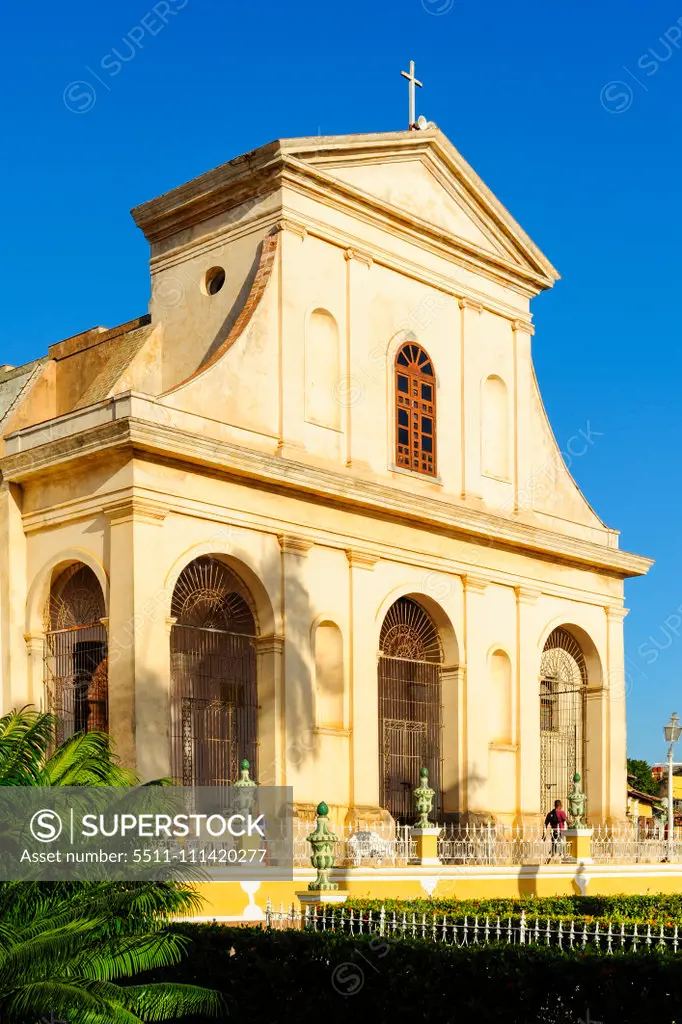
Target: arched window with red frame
column 415, row 410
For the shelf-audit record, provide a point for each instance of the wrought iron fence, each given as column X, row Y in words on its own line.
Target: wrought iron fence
column 516, row 930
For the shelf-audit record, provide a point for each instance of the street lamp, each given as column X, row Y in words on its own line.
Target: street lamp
column 672, row 732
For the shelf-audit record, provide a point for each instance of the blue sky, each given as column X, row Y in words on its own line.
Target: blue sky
column 591, row 169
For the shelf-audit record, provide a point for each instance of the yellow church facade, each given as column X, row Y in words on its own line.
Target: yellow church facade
column 310, row 511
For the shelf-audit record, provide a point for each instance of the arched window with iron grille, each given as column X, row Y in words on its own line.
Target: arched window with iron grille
column 410, row 706
column 76, row 670
column 214, row 693
column 415, row 410
column 563, row 694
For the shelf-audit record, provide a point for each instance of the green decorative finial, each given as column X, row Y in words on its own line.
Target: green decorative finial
column 245, row 787
column 423, row 799
column 577, row 804
column 322, row 842
column 244, row 776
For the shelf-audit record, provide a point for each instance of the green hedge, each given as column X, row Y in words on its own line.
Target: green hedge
column 656, row 909
column 271, row 977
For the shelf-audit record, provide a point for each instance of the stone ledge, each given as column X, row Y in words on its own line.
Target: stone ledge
column 161, row 440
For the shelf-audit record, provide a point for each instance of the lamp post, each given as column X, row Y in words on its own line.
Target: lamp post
column 672, row 732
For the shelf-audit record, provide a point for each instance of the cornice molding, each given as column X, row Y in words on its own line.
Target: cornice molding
column 342, row 196
column 272, row 644
column 475, row 307
column 474, row 584
column 361, row 559
column 292, row 545
column 360, row 257
column 139, row 510
column 167, row 442
column 527, row 595
column 615, row 614
column 35, row 644
column 304, row 165
column 293, row 227
column 524, row 326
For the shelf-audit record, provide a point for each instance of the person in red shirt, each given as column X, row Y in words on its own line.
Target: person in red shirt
column 557, row 821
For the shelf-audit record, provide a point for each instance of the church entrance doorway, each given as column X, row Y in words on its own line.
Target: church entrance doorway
column 410, row 707
column 563, row 694
column 214, row 692
column 76, row 677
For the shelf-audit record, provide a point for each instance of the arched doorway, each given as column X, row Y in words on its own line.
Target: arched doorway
column 563, row 696
column 76, row 671
column 410, row 706
column 214, row 692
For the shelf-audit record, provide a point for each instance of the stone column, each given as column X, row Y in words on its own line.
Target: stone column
column 139, row 638
column 298, row 685
column 364, row 701
column 17, row 688
column 614, row 699
column 527, row 725
column 476, row 701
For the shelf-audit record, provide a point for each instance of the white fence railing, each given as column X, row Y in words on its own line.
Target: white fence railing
column 472, row 931
column 497, row 844
column 628, row 846
column 380, row 846
column 393, row 846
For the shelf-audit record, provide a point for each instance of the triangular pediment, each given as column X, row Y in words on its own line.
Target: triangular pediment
column 412, row 187
column 415, row 180
column 420, row 177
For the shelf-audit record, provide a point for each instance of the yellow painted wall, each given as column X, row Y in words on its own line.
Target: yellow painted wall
column 239, row 458
column 230, row 900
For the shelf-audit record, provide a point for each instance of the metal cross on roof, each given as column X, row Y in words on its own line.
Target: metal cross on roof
column 412, row 92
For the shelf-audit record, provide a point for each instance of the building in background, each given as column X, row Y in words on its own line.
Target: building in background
column 309, row 509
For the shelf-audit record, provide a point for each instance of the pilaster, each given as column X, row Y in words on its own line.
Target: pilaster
column 470, row 399
column 298, row 703
column 475, row 704
column 454, row 723
column 614, row 697
column 527, row 726
column 363, row 683
column 35, row 672
column 522, row 384
column 360, row 370
column 17, row 688
column 271, row 714
column 291, row 343
column 139, row 637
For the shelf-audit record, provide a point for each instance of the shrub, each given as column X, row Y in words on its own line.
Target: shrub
column 273, row 977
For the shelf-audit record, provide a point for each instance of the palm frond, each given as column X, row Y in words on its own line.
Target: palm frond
column 168, row 1000
column 86, row 759
column 25, row 736
column 65, row 947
